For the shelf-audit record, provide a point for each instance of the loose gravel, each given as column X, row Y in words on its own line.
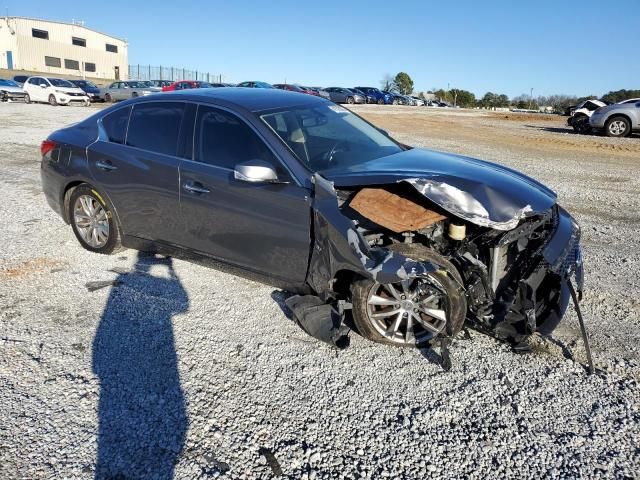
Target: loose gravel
column 136, row 366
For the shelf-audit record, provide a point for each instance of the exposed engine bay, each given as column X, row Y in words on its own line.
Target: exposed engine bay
column 513, row 275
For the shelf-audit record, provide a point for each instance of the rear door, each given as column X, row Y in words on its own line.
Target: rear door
column 136, row 162
column 264, row 227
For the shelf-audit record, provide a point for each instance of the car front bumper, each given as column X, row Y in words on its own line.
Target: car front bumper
column 66, row 99
column 11, row 95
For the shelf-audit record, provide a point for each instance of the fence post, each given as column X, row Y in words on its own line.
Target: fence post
column 160, row 72
column 149, row 77
column 182, row 72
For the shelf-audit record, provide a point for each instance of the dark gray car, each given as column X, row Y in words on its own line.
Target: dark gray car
column 305, row 195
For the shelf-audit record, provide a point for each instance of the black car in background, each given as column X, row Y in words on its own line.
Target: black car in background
column 305, row 195
column 91, row 89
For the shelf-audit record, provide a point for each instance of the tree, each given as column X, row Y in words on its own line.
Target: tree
column 387, row 83
column 403, row 83
column 620, row 95
column 494, row 100
column 462, row 98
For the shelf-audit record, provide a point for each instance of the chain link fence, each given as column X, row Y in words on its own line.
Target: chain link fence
column 149, row 72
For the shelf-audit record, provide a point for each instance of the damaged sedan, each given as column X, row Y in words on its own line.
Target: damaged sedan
column 404, row 244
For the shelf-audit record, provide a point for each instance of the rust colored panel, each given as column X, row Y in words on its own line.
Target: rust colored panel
column 392, row 211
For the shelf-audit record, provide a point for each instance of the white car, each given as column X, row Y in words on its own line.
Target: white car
column 54, row 91
column 579, row 118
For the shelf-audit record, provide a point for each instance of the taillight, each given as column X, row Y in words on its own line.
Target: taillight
column 47, row 146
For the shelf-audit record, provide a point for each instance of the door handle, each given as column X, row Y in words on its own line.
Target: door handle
column 108, row 166
column 195, row 187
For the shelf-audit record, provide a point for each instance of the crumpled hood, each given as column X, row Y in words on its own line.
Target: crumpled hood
column 479, row 192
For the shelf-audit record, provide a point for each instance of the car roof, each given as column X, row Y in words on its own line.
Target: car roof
column 251, row 99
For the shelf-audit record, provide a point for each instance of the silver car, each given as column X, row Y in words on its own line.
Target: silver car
column 10, row 90
column 617, row 120
column 344, row 95
column 123, row 90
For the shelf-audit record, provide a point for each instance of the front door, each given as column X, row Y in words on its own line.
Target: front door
column 264, row 227
column 9, row 60
column 138, row 167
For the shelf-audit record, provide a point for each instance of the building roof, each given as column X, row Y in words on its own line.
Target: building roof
column 67, row 23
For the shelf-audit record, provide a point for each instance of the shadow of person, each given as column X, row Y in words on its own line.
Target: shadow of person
column 142, row 413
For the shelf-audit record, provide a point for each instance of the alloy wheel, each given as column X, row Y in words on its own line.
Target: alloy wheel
column 617, row 128
column 409, row 312
column 91, row 221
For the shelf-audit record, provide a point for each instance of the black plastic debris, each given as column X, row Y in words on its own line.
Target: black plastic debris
column 272, row 461
column 98, row 284
column 319, row 319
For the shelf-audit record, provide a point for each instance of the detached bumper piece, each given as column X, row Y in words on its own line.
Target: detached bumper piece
column 320, row 320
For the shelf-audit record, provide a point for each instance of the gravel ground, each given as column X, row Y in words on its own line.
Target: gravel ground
column 177, row 369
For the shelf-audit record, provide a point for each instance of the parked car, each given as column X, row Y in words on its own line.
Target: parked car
column 91, row 89
column 307, row 196
column 579, row 119
column 255, row 85
column 54, row 91
column 185, row 85
column 221, row 85
column 288, row 87
column 368, row 98
column 344, row 95
column 396, row 98
column 20, row 79
column 419, row 101
column 380, row 97
column 319, row 92
column 160, row 83
column 10, row 90
column 617, row 120
column 123, row 90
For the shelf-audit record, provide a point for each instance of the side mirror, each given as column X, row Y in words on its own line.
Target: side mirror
column 43, row 85
column 255, row 171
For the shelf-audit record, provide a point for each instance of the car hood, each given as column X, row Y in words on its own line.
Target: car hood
column 477, row 191
column 9, row 88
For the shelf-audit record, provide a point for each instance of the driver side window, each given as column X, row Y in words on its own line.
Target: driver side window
column 224, row 140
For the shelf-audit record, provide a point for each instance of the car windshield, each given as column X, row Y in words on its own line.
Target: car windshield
column 329, row 136
column 138, row 84
column 58, row 82
column 85, row 83
column 8, row 83
column 263, row 85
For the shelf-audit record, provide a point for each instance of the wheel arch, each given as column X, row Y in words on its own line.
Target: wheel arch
column 66, row 200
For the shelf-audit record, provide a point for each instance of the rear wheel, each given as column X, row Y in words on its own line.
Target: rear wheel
column 134, row 95
column 108, row 98
column 92, row 221
column 412, row 312
column 52, row 100
column 380, row 101
column 350, row 100
column 617, row 127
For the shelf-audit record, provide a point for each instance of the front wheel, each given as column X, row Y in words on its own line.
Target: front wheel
column 92, row 221
column 380, row 101
column 617, row 127
column 412, row 312
column 27, row 98
column 108, row 98
column 52, row 100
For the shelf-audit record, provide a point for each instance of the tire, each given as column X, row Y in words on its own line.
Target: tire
column 350, row 100
column 452, row 299
column 52, row 100
column 107, row 98
column 85, row 199
column 580, row 124
column 617, row 127
column 134, row 95
column 394, row 101
column 27, row 98
column 380, row 101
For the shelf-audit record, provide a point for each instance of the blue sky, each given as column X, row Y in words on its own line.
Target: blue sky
column 574, row 47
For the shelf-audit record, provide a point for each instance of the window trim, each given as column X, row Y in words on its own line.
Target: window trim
column 84, row 65
column 83, row 40
column 34, row 30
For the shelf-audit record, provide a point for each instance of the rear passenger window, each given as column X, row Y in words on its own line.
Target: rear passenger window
column 115, row 125
column 156, row 126
column 223, row 140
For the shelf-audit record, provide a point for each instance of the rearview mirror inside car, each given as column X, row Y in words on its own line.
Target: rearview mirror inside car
column 255, row 171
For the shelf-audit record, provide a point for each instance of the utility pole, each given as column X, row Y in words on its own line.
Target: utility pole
column 531, row 99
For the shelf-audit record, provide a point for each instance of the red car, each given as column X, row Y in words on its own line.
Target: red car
column 296, row 88
column 186, row 84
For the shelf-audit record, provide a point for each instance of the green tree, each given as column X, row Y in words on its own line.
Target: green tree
column 403, row 83
column 462, row 98
column 620, row 95
column 494, row 100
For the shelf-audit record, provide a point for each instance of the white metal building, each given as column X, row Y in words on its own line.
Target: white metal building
column 60, row 48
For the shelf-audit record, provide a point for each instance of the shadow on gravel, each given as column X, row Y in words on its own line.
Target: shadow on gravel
column 142, row 412
column 554, row 129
